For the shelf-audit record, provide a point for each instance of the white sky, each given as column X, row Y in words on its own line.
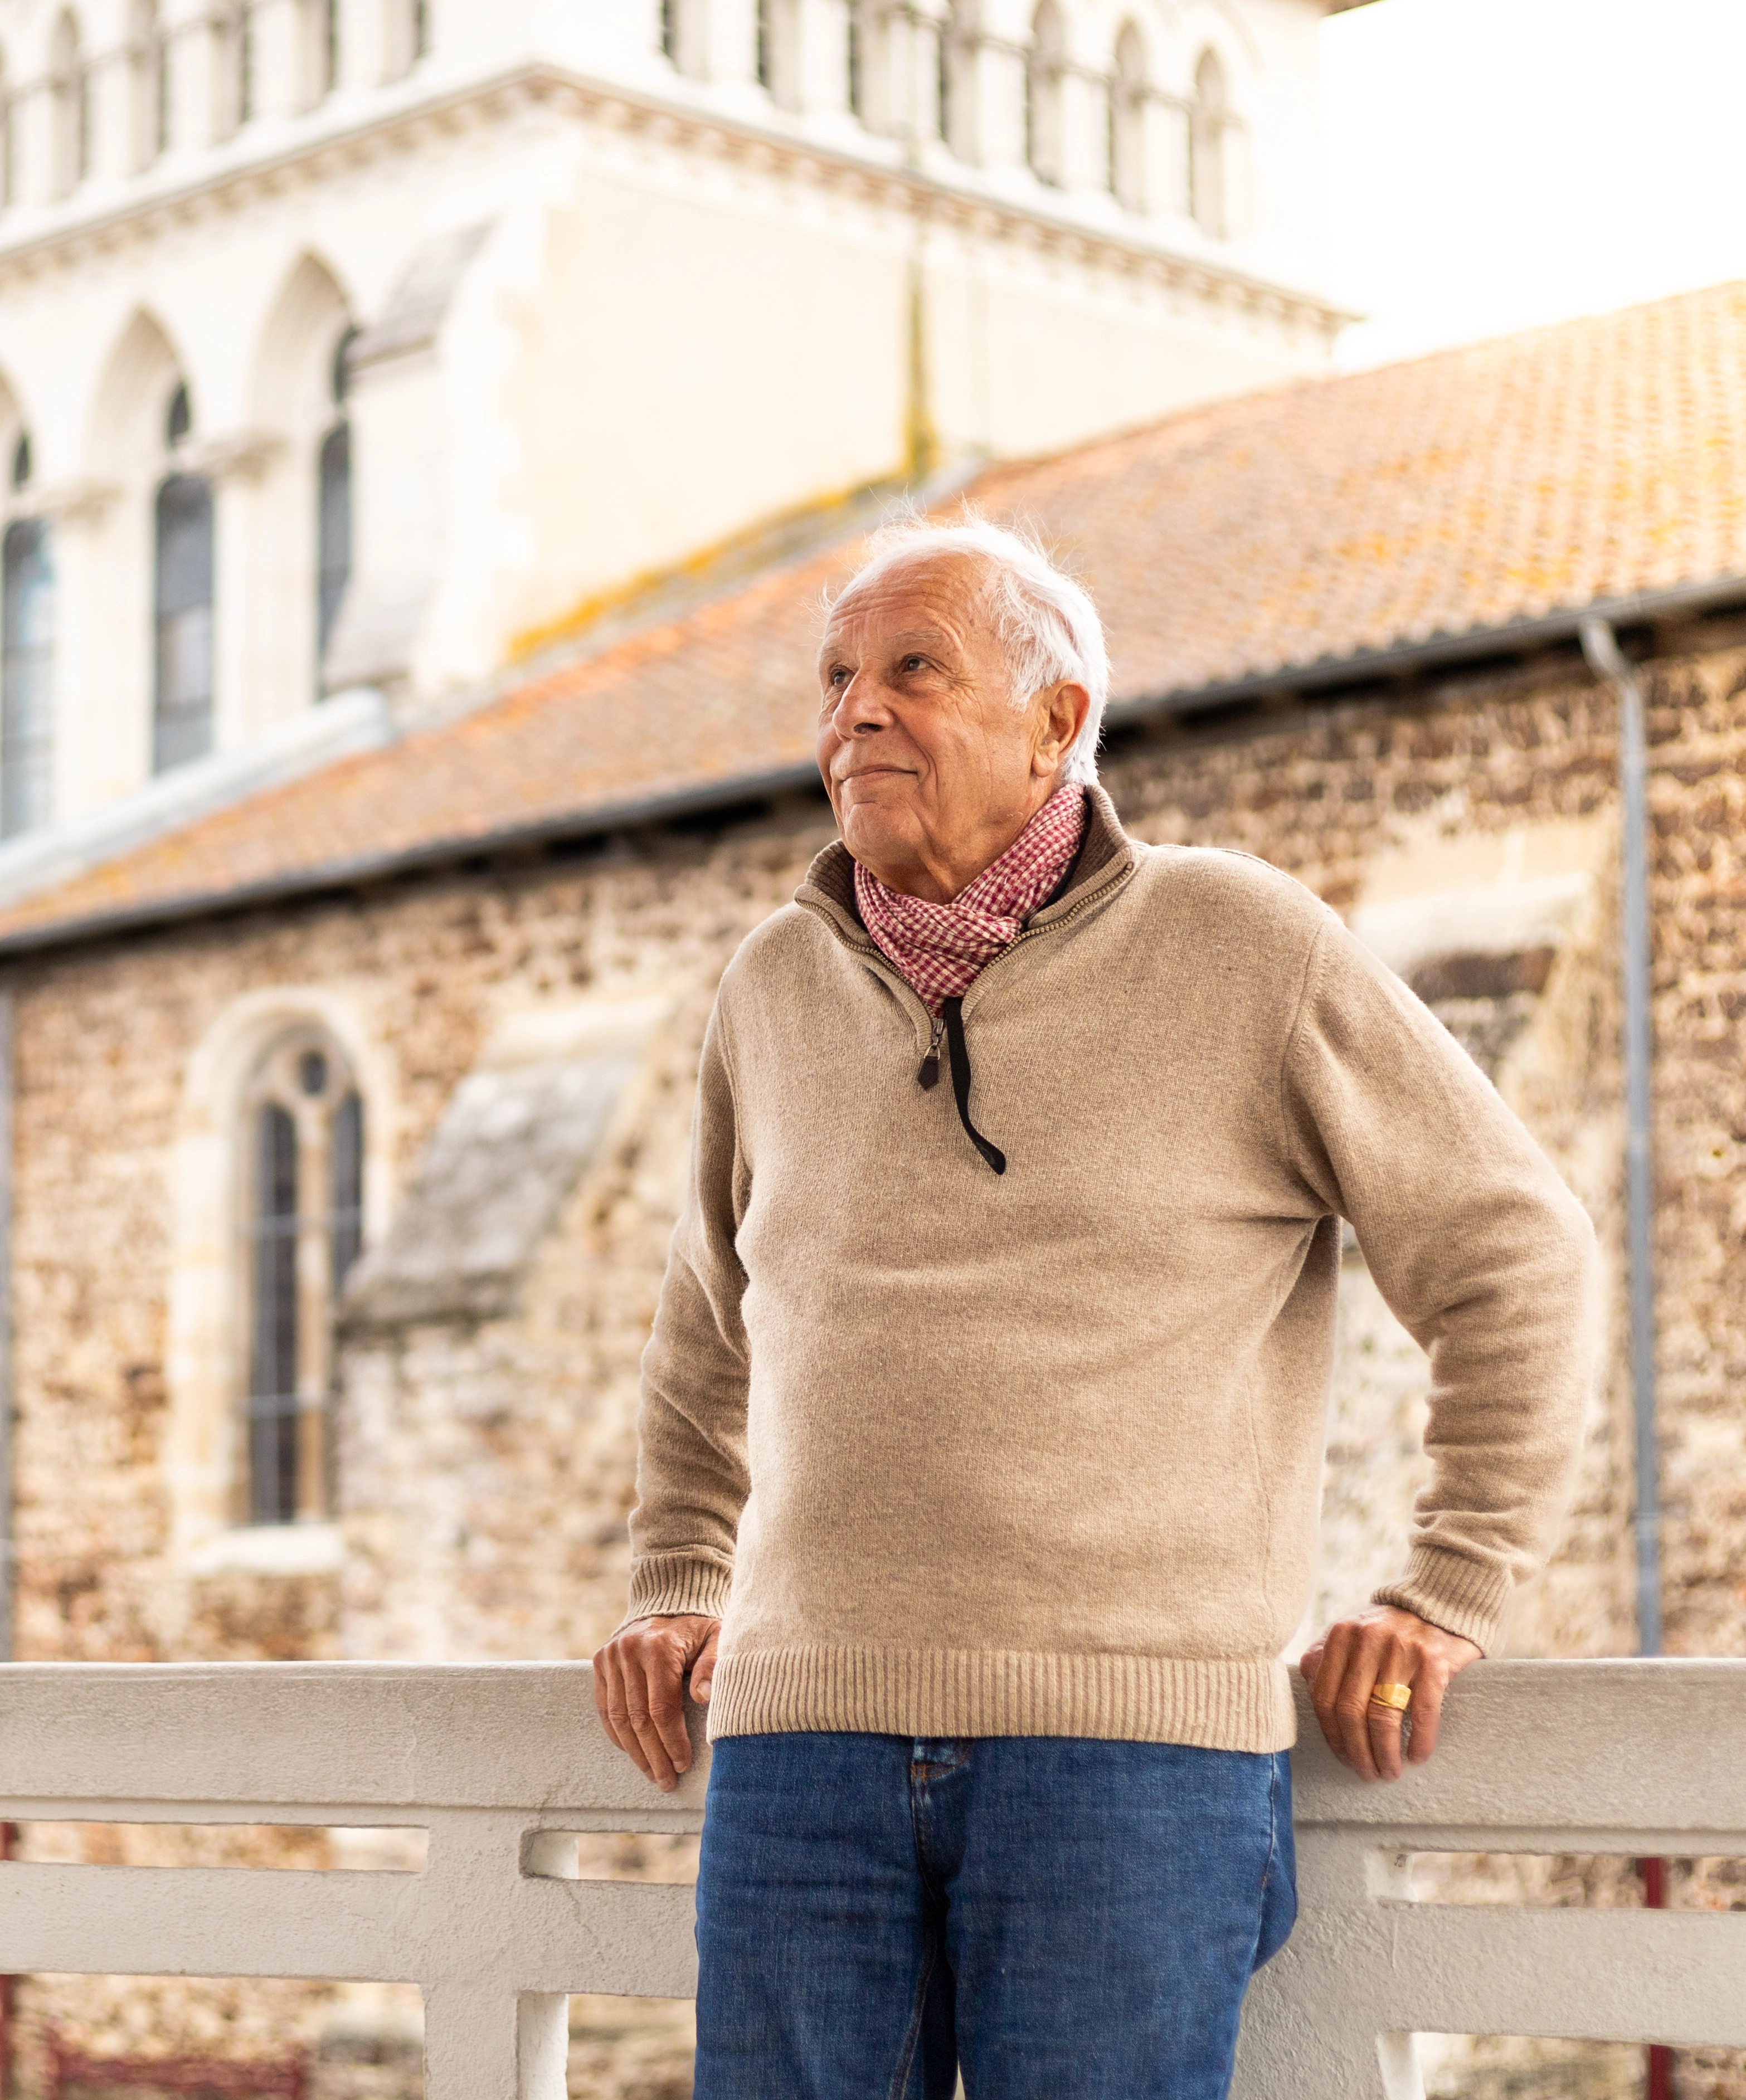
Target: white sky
column 1497, row 163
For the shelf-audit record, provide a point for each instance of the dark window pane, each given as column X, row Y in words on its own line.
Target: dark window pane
column 183, row 719
column 26, row 678
column 346, row 1152
column 272, row 1370
column 334, row 526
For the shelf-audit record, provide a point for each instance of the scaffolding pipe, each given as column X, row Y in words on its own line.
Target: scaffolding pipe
column 1601, row 648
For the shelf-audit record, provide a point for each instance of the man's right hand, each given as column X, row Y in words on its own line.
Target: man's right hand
column 640, row 1688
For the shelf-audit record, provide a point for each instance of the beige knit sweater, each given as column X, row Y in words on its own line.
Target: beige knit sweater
column 1040, row 1453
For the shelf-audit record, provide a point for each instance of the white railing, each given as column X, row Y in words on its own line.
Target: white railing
column 1644, row 1759
column 500, row 1762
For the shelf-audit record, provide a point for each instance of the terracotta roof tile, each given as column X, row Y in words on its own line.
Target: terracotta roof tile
column 1466, row 491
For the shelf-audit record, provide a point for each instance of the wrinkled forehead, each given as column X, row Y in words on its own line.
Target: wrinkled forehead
column 912, row 591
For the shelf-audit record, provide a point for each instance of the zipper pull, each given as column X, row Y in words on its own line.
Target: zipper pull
column 929, row 1074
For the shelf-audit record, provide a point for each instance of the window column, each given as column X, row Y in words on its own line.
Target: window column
column 821, row 31
column 279, row 62
column 148, row 99
column 1044, row 99
column 201, row 94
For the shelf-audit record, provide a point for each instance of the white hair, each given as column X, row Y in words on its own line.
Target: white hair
column 1047, row 626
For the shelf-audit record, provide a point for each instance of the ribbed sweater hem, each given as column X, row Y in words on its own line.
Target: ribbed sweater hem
column 981, row 1692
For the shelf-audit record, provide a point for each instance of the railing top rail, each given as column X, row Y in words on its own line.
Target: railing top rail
column 1656, row 1745
column 1625, row 1746
column 364, row 1736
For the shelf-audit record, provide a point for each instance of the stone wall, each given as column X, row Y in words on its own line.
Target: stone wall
column 486, row 1440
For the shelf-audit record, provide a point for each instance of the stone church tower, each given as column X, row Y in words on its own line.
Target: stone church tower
column 361, row 349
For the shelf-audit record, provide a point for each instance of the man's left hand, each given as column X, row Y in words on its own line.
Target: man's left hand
column 1382, row 1646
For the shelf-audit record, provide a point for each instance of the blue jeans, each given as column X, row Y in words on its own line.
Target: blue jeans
column 1063, row 1919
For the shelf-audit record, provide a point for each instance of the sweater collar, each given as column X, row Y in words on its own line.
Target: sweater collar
column 1106, row 855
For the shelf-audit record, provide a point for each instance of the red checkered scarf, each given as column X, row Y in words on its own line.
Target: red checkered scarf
column 940, row 947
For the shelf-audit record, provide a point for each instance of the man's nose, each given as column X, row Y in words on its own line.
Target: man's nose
column 860, row 707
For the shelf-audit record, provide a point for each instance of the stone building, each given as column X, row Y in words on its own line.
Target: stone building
column 356, row 350
column 348, row 1122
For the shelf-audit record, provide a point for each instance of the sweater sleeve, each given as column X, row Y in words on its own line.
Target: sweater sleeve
column 691, row 1474
column 1483, row 1253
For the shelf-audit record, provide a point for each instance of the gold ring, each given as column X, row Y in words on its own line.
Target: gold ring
column 1396, row 1698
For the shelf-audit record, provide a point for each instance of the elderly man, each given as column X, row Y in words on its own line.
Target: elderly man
column 982, row 1428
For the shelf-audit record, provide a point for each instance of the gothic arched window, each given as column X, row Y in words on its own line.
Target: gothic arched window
column 303, row 1229
column 957, row 78
column 27, row 674
column 683, row 35
column 6, row 139
column 1045, row 67
column 182, row 696
column 1209, row 131
column 1127, row 122
column 856, row 54
column 334, row 510
column 70, row 111
column 777, row 52
column 318, row 39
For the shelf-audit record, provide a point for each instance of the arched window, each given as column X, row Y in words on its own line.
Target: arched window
column 233, row 52
column 302, row 1230
column 149, row 86
column 69, row 141
column 1209, row 132
column 334, row 510
column 958, row 40
column 182, row 712
column 27, row 669
column 683, row 36
column 6, row 139
column 777, row 53
column 1127, row 122
column 246, row 55
column 1045, row 67
column 856, row 56
column 318, row 51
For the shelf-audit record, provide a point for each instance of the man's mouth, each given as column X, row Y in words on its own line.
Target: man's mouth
column 874, row 773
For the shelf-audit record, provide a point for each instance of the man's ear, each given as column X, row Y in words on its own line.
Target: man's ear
column 1064, row 708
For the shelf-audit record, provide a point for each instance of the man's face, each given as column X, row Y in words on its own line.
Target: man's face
column 931, row 771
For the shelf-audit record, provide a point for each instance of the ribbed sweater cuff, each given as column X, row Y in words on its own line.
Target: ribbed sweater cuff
column 671, row 1586
column 1462, row 1596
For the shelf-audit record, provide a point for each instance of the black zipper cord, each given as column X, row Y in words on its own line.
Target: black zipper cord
column 951, row 1013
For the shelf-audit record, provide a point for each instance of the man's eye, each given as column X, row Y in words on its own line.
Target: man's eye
column 914, row 663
